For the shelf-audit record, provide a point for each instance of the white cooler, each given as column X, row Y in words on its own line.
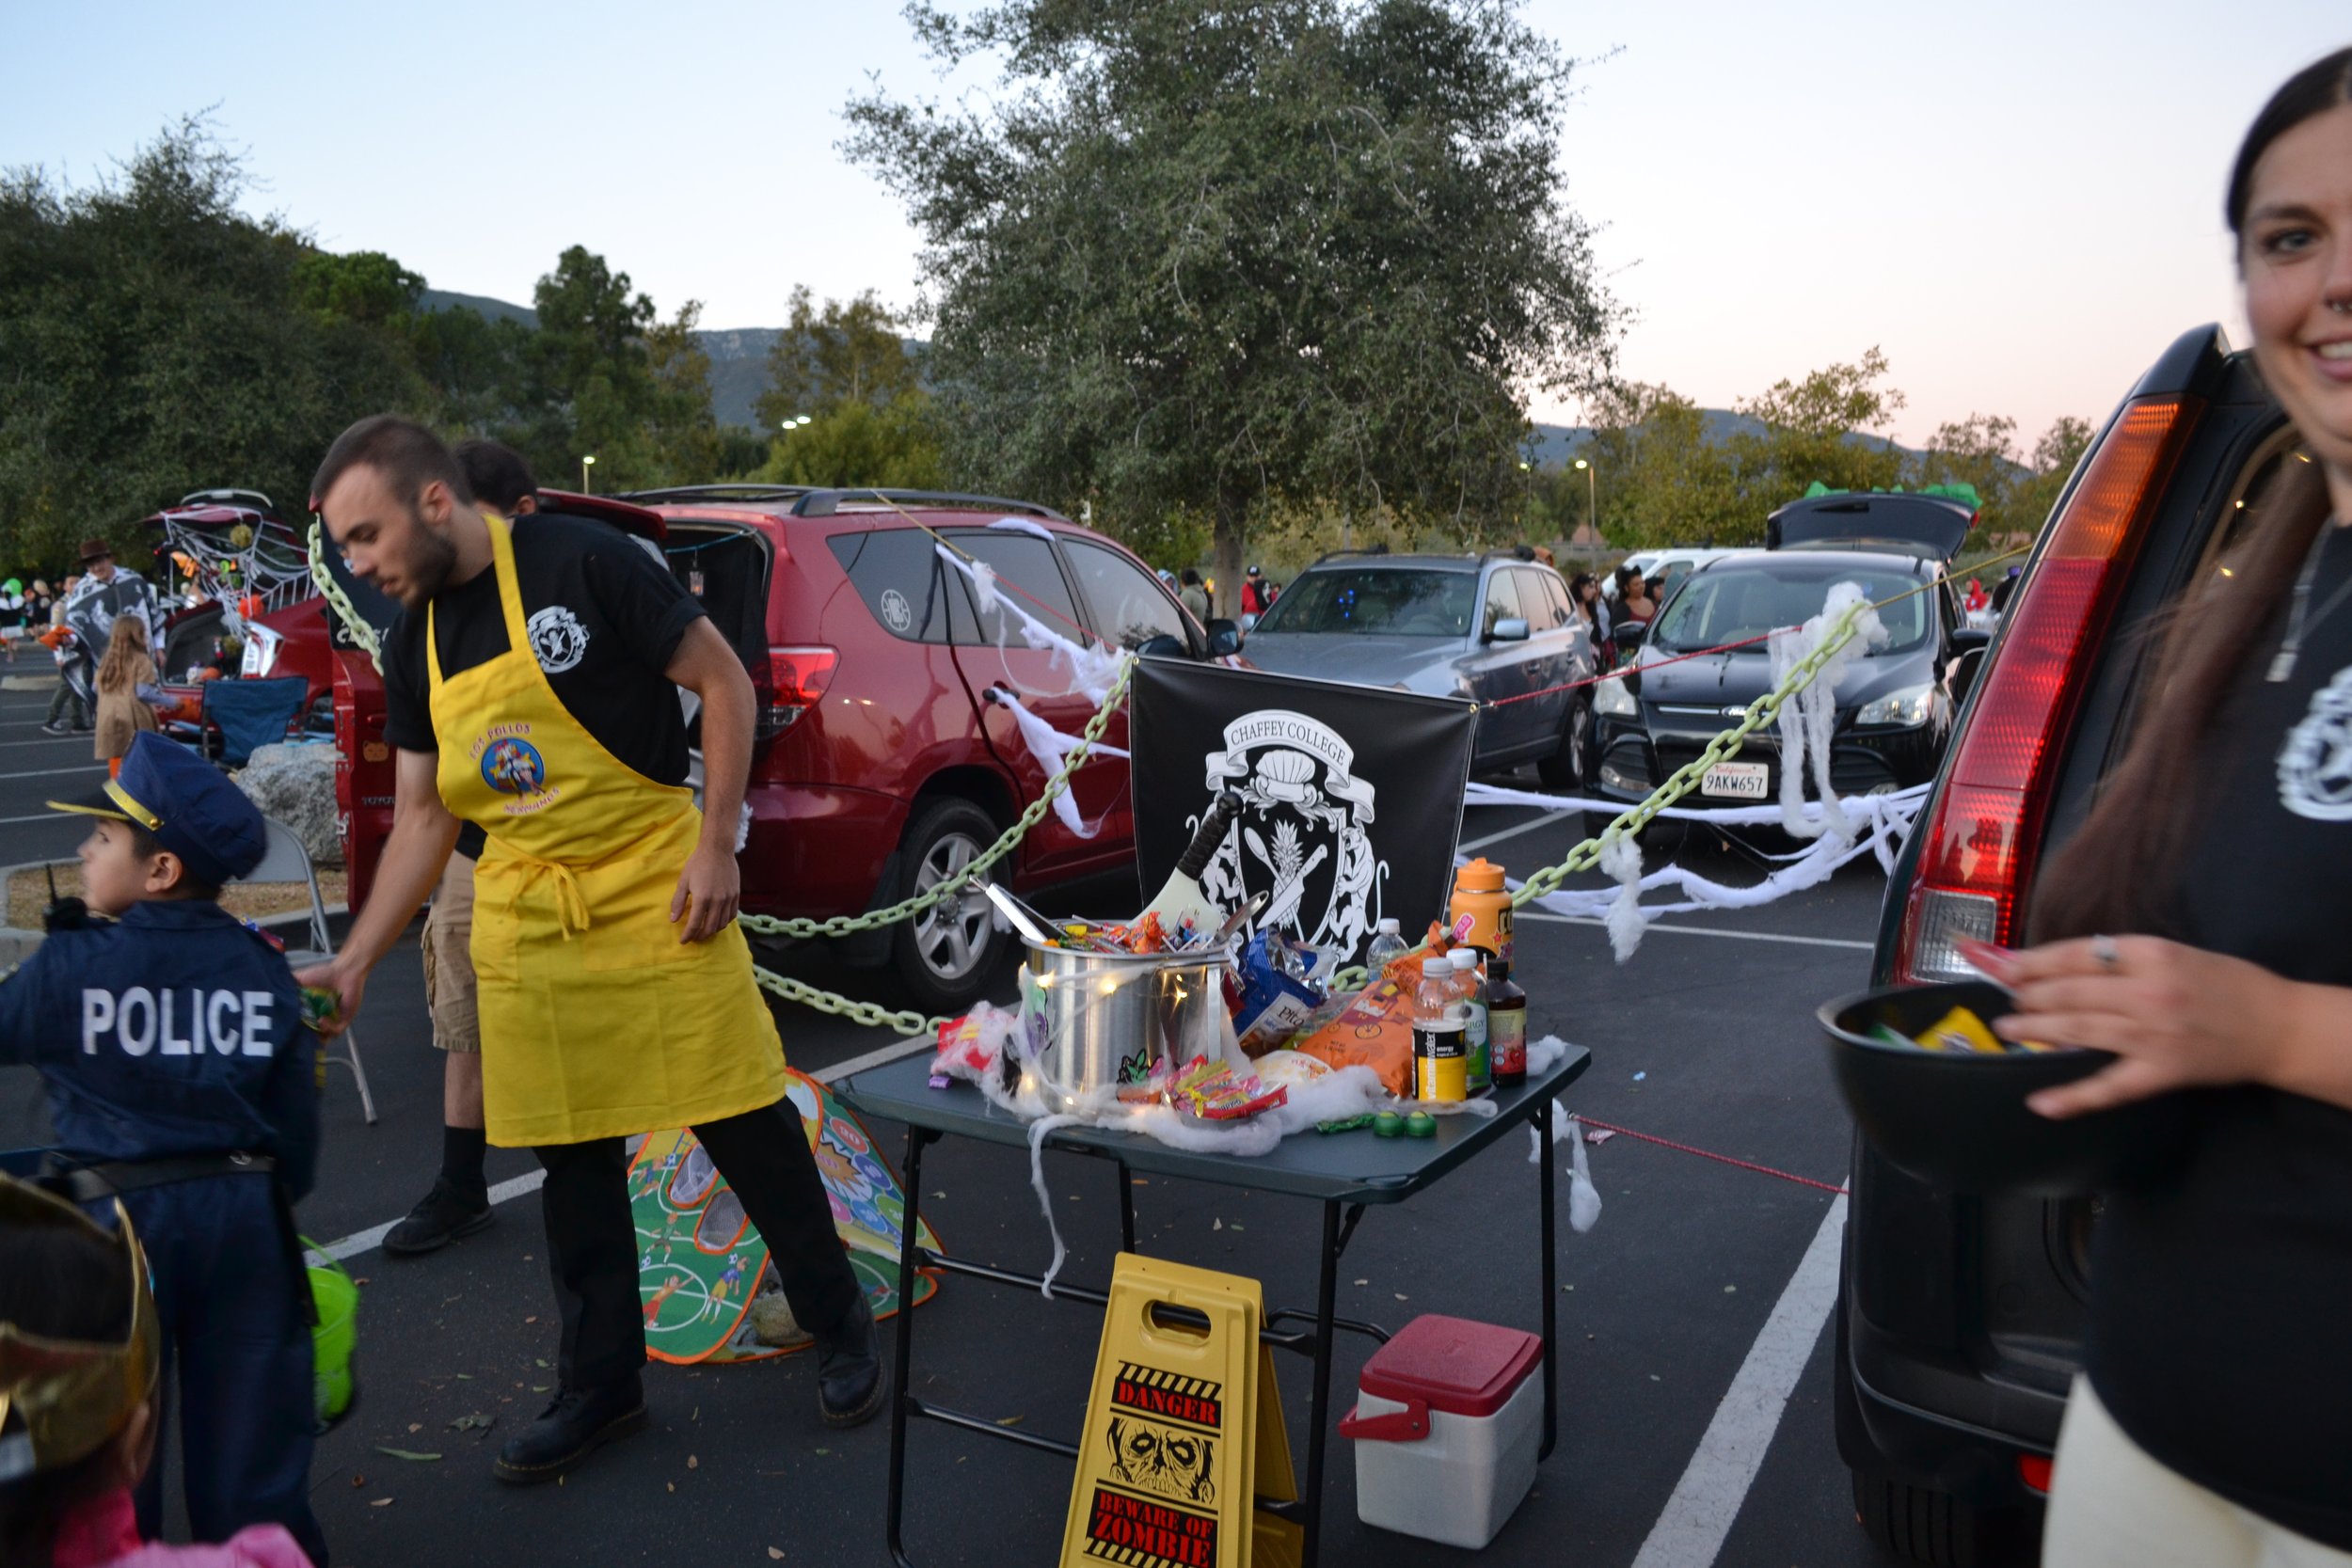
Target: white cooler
column 1448, row 1418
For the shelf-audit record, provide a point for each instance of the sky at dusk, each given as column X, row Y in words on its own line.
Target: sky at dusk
column 2019, row 203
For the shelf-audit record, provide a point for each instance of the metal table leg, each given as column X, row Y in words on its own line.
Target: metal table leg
column 1319, row 1421
column 1551, row 1283
column 909, row 1250
column 1126, row 1207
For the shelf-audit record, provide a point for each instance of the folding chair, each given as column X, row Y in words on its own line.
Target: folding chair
column 252, row 714
column 287, row 861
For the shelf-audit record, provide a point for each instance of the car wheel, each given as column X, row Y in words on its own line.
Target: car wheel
column 1918, row 1523
column 945, row 954
column 1570, row 765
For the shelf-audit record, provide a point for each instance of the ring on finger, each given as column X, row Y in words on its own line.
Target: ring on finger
column 2106, row 954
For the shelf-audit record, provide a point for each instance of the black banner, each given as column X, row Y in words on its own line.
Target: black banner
column 1354, row 794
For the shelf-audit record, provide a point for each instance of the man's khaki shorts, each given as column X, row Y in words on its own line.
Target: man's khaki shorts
column 447, row 949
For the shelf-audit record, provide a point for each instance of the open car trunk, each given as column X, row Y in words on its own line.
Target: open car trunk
column 1930, row 527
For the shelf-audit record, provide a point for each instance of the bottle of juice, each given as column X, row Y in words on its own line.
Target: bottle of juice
column 1480, row 914
column 1387, row 947
column 1506, row 1025
column 1438, row 1065
column 1469, row 989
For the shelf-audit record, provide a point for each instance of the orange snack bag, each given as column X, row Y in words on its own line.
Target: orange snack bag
column 1376, row 1030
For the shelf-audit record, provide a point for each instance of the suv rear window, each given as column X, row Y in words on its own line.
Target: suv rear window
column 897, row 572
column 1390, row 600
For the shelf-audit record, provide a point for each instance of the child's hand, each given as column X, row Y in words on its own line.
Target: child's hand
column 348, row 986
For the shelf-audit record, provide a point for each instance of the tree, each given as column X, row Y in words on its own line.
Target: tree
column 2052, row 464
column 683, row 430
column 1220, row 258
column 1827, row 427
column 1980, row 451
column 156, row 340
column 844, row 353
column 1665, row 483
column 856, row 444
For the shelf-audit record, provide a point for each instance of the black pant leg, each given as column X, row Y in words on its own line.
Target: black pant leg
column 764, row 1154
column 592, row 1256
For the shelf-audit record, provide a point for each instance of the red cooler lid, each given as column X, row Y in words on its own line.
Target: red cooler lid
column 1451, row 1364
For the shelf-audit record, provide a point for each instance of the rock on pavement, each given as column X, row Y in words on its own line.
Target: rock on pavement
column 296, row 786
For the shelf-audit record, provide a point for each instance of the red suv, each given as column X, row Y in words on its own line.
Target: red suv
column 882, row 766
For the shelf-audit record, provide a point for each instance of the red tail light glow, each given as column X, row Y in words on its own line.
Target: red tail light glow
column 796, row 679
column 1978, row 856
column 2034, row 1470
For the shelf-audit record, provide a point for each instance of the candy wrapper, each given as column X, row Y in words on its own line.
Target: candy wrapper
column 1210, row 1090
column 985, row 1040
column 1279, row 990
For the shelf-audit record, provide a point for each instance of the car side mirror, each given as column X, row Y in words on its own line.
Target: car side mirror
column 1511, row 629
column 1630, row 636
column 1967, row 639
column 1224, row 637
column 1963, row 675
column 1166, row 646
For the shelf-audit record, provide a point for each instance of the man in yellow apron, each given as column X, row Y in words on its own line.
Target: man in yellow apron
column 529, row 686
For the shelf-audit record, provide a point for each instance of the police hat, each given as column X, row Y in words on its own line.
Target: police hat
column 185, row 803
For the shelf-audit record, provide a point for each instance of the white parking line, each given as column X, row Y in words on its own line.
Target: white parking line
column 53, row 772
column 1706, row 1499
column 1706, row 931
column 1512, row 832
column 373, row 1237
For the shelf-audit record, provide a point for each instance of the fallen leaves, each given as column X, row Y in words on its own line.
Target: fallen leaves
column 381, row 1502
column 775, row 1554
column 1011, row 1420
column 475, row 1422
column 407, row 1453
column 693, row 1463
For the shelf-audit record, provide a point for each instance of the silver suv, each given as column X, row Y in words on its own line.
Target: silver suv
column 1489, row 628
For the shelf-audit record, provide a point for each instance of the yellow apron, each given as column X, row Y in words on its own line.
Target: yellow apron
column 596, row 1022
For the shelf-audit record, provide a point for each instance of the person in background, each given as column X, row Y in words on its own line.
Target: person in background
column 106, row 593
column 2212, row 1426
column 127, row 691
column 1254, row 599
column 1195, row 596
column 458, row 1202
column 1584, row 598
column 206, row 1150
column 1634, row 603
column 73, row 698
column 80, row 1420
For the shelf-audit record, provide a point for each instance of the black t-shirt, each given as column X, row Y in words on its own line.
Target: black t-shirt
column 2220, row 1337
column 605, row 617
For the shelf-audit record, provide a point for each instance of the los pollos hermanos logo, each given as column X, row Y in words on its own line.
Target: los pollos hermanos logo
column 1304, row 835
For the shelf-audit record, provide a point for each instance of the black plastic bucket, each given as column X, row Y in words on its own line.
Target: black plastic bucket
column 1959, row 1119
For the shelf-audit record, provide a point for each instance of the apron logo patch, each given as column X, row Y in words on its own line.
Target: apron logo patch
column 557, row 638
column 2315, row 764
column 513, row 766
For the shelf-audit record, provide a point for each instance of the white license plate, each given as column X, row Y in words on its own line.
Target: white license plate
column 1737, row 781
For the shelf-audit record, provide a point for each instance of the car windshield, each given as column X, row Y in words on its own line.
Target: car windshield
column 1393, row 601
column 1733, row 604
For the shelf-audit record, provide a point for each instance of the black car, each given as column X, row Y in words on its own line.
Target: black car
column 1959, row 1317
column 1894, row 708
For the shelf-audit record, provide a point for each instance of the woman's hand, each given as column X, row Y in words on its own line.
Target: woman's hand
column 2177, row 1016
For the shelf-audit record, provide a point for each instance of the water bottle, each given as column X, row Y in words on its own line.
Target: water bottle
column 1439, row 1025
column 1387, row 947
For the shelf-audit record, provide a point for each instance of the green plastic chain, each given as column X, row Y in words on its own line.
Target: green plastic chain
column 355, row 625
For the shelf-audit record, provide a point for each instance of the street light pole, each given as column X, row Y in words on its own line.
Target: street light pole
column 585, row 487
column 1591, row 499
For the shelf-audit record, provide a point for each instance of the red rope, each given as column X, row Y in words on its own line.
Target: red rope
column 1705, row 1154
column 1653, row 664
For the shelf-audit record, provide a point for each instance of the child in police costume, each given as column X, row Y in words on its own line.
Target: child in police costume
column 184, row 1080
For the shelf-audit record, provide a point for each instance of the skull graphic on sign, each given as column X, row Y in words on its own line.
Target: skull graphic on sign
column 1304, row 835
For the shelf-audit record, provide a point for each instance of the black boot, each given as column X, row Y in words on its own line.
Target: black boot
column 439, row 1218
column 850, row 1379
column 580, row 1421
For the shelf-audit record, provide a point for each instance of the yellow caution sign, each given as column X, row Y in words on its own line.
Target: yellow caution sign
column 1169, row 1459
column 1274, row 1543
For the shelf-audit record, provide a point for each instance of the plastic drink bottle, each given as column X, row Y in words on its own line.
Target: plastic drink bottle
column 1480, row 913
column 1506, row 1026
column 1439, row 1066
column 1387, row 947
column 1469, row 990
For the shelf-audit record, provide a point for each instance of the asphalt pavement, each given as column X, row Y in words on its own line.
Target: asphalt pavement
column 1695, row 1378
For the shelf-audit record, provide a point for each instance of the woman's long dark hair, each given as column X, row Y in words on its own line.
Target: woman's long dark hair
column 2116, row 874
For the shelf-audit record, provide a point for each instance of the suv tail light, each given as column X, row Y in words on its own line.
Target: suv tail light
column 1978, row 856
column 796, row 679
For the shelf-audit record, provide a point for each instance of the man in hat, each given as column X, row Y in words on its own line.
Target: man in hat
column 1254, row 599
column 183, row 1081
column 531, row 688
column 106, row 591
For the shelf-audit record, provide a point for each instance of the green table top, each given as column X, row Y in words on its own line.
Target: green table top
column 1344, row 1167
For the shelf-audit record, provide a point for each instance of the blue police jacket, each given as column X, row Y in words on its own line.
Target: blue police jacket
column 174, row 1030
